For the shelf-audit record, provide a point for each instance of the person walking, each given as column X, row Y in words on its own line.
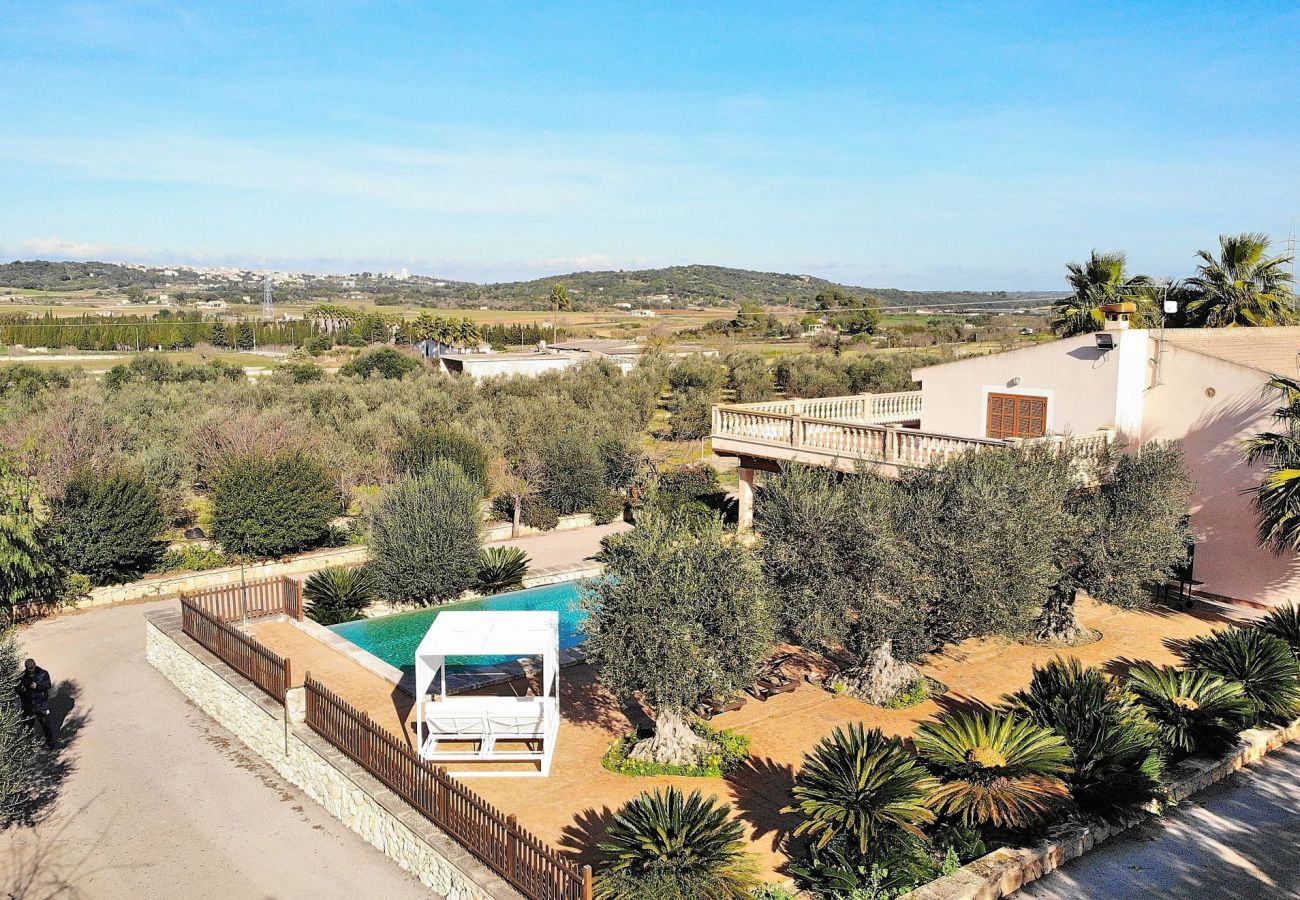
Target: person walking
column 34, row 696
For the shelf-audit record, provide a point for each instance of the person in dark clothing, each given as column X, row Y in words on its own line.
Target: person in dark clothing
column 34, row 695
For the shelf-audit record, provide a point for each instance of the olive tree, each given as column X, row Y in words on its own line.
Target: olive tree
column 682, row 617
column 425, row 534
column 418, row 447
column 837, row 564
column 1127, row 532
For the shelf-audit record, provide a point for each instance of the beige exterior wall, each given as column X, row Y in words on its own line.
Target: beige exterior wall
column 1228, row 559
column 1079, row 382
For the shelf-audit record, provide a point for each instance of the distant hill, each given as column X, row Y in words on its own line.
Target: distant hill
column 697, row 284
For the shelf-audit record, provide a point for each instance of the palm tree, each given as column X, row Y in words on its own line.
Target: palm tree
column 1194, row 712
column 559, row 300
column 862, row 785
column 1244, row 286
column 1115, row 762
column 997, row 769
column 1277, row 499
column 1099, row 281
column 667, row 846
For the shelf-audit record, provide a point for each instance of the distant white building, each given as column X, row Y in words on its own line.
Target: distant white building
column 212, row 304
column 645, row 313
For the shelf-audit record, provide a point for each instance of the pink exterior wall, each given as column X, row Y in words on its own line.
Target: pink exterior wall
column 1078, row 380
column 1087, row 391
column 1228, row 559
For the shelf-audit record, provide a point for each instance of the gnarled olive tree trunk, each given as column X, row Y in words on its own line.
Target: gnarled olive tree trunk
column 879, row 677
column 1058, row 623
column 674, row 742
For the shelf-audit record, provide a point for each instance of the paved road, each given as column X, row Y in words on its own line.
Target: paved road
column 163, row 802
column 1240, row 838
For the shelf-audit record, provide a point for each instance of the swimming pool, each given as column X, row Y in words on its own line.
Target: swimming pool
column 394, row 638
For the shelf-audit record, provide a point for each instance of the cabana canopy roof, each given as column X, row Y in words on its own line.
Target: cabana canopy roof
column 461, row 633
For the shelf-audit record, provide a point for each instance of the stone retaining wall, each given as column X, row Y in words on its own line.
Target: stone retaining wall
column 346, row 790
column 1005, row 871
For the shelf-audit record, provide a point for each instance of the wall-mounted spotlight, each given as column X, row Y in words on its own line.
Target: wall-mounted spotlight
column 1105, row 341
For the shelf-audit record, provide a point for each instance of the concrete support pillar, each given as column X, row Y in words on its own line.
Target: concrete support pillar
column 746, row 520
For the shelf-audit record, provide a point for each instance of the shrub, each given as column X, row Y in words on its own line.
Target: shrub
column 533, row 512
column 338, row 594
column 573, row 472
column 996, row 768
column 726, row 751
column 1263, row 664
column 690, row 415
column 108, row 523
column 501, row 569
column 425, row 537
column 27, row 380
column 20, row 766
column 304, row 372
column 1283, row 623
column 864, row 786
column 697, row 373
column 607, row 509
column 1194, row 712
column 190, row 558
column 272, row 505
column 389, row 363
column 419, row 447
column 1115, row 761
column 667, row 845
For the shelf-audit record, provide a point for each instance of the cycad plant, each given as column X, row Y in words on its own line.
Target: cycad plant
column 668, row 846
column 501, row 569
column 1194, row 712
column 1262, row 663
column 1115, row 759
column 997, row 769
column 863, row 785
column 337, row 595
column 1283, row 623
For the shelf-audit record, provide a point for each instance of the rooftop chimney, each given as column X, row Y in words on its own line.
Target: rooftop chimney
column 1117, row 314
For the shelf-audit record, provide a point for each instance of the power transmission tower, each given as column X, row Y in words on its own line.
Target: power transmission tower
column 268, row 299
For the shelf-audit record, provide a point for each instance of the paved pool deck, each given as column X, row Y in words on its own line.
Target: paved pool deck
column 572, row 807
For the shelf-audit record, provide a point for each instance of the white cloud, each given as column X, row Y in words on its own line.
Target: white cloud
column 63, row 248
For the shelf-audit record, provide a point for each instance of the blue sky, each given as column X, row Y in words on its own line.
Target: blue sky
column 917, row 145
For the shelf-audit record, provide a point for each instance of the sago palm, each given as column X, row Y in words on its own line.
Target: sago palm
column 1283, row 623
column 863, row 785
column 996, row 768
column 1277, row 499
column 1096, row 283
column 337, row 595
column 1115, row 759
column 1263, row 664
column 668, row 846
column 1194, row 712
column 501, row 569
column 1244, row 286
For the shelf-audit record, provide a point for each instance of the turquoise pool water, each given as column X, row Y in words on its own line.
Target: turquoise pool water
column 394, row 638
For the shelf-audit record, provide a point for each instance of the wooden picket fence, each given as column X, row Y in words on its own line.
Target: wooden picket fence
column 273, row 596
column 256, row 662
column 521, row 858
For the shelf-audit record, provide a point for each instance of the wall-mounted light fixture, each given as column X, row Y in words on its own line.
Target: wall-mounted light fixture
column 1014, row 381
column 1105, row 341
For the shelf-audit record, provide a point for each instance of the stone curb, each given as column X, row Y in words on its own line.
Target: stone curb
column 1005, row 871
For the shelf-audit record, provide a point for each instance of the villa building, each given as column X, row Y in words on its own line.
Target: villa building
column 1204, row 387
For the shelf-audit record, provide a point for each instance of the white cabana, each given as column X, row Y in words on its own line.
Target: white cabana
column 485, row 729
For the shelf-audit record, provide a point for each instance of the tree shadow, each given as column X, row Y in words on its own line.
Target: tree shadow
column 51, row 767
column 762, row 788
column 581, row 836
column 1120, row 666
column 46, row 864
column 1176, row 646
